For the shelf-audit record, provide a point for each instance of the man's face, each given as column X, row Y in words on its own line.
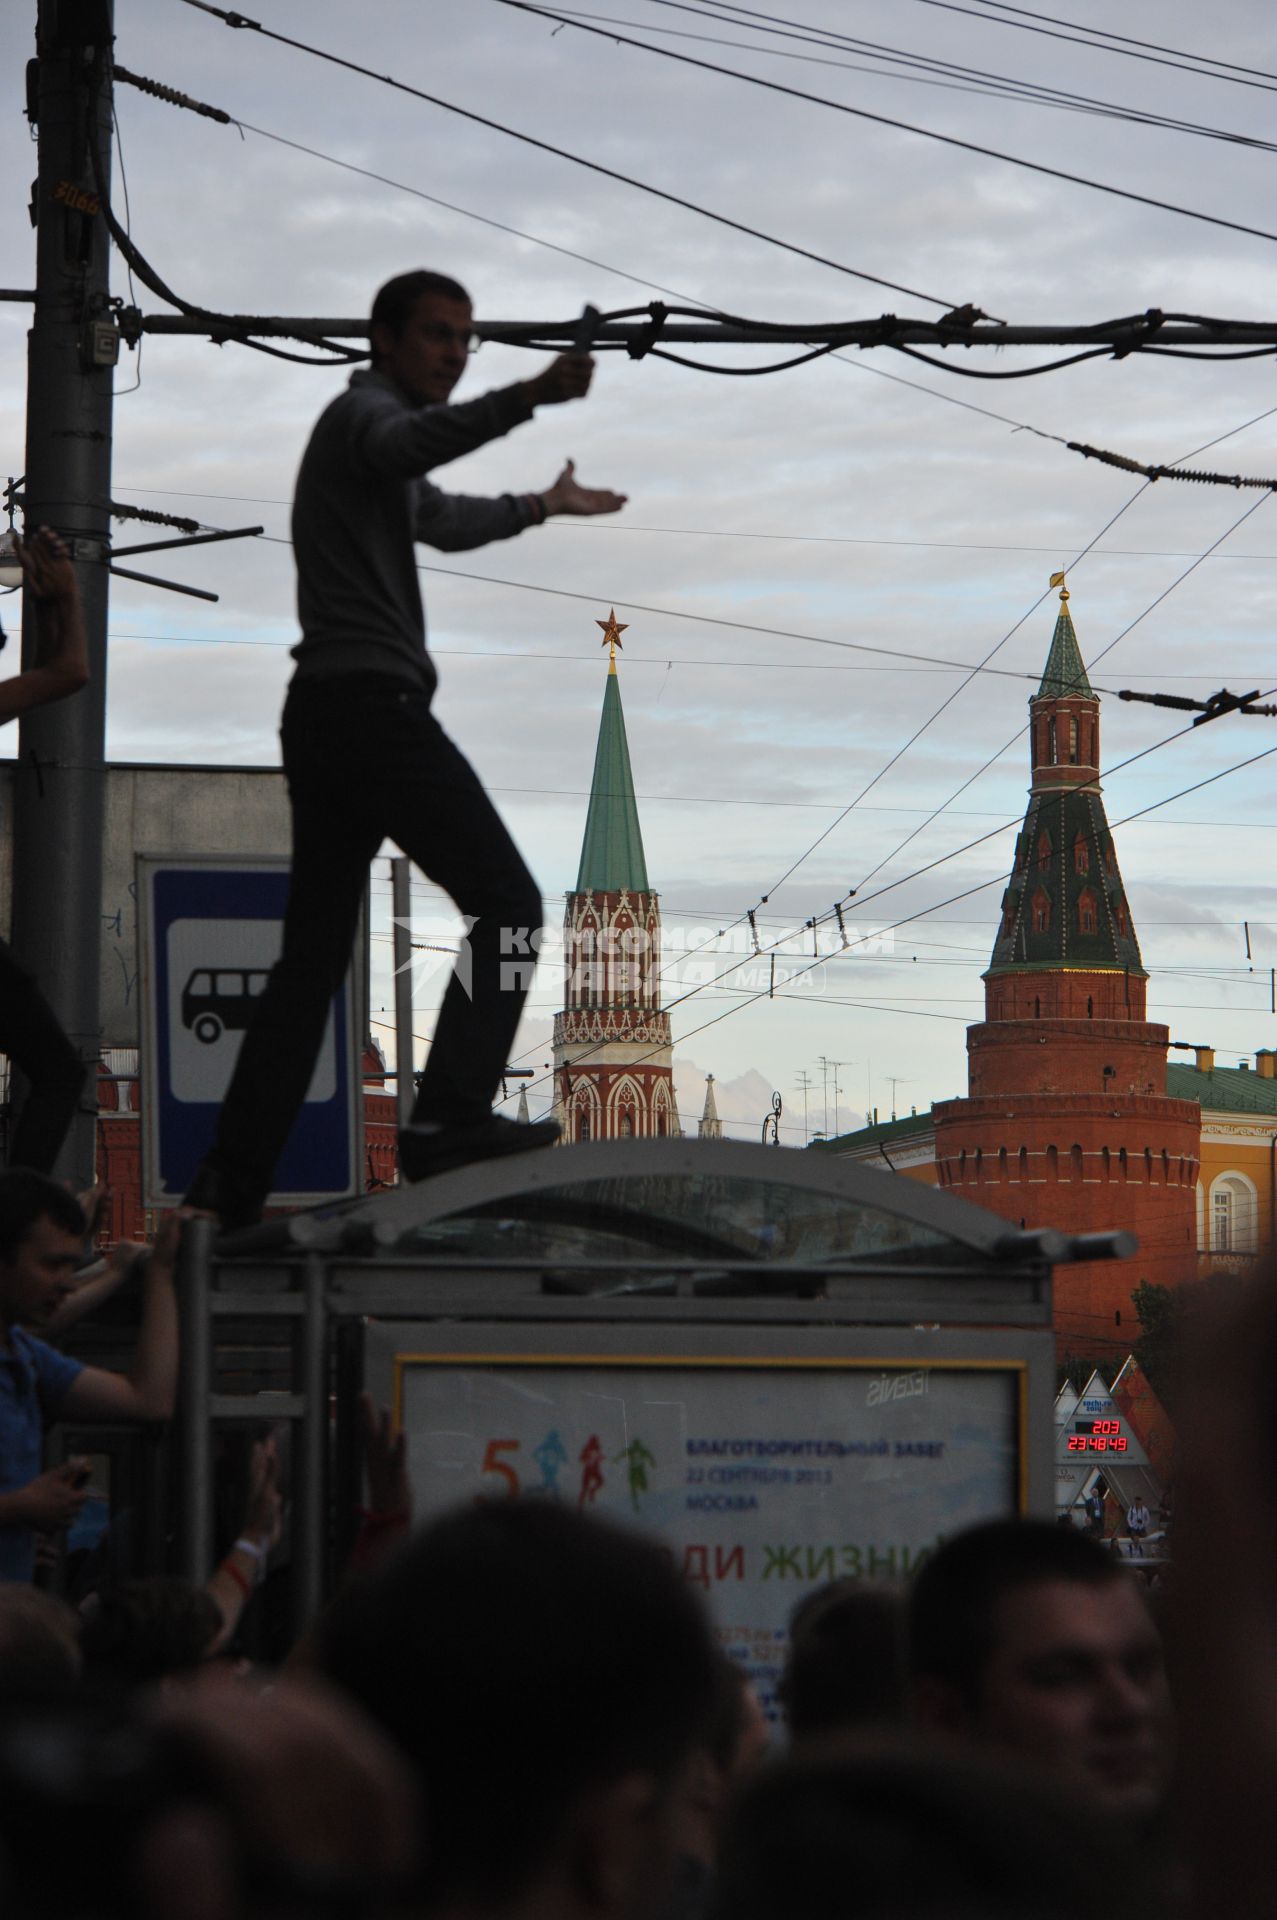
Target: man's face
column 37, row 1279
column 429, row 357
column 1077, row 1682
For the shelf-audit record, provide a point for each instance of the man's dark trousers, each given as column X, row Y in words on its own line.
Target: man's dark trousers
column 366, row 760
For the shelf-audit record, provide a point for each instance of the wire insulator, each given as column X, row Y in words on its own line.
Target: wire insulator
column 159, row 91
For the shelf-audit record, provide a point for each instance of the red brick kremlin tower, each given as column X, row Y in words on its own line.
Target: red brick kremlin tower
column 613, row 1058
column 1067, row 1122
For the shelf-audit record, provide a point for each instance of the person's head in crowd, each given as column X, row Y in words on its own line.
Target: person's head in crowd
column 40, row 1659
column 846, row 1665
column 42, row 1229
column 876, row 1826
column 1036, row 1643
column 144, row 1630
column 550, row 1676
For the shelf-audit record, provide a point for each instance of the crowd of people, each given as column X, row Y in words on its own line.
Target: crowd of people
column 521, row 1712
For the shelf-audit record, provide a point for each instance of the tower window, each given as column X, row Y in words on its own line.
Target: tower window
column 1041, row 912
column 1119, row 914
column 1081, row 855
column 1044, row 852
column 1052, row 743
column 1086, row 912
column 583, row 1131
column 1072, row 741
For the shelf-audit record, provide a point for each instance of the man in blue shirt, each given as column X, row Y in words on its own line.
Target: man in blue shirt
column 41, row 1240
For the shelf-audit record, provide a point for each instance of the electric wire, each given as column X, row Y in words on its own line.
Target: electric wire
column 1136, row 49
column 897, row 63
column 563, row 153
column 887, row 120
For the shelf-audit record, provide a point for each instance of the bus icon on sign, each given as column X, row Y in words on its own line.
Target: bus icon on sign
column 217, row 999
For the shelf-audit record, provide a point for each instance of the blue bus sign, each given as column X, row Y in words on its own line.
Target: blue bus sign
column 210, row 929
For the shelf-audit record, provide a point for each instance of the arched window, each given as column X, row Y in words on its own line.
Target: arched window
column 1023, row 1159
column 1052, row 1163
column 1044, row 851
column 1052, row 754
column 1072, row 741
column 1081, row 855
column 1119, row 914
column 1086, row 911
column 1090, row 1014
column 583, row 1127
column 1076, row 1162
column 1037, row 1006
column 1041, row 912
column 627, row 1124
column 1233, row 1214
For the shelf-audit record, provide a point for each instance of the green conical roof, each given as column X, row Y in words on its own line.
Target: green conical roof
column 1065, row 672
column 612, row 850
column 1066, row 905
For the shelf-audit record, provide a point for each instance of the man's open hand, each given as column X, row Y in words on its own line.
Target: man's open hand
column 568, row 496
column 567, row 378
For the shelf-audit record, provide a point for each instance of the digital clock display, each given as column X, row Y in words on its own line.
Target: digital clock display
column 1097, row 1436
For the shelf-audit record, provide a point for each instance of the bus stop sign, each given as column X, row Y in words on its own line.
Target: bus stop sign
column 210, row 929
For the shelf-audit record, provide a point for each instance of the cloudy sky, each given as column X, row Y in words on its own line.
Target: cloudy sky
column 865, row 499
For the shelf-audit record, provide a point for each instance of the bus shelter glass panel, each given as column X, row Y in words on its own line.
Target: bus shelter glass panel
column 705, row 1213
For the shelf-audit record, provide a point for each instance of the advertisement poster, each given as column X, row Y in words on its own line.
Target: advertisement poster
column 766, row 1479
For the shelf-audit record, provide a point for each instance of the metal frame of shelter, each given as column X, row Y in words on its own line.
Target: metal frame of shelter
column 675, row 1240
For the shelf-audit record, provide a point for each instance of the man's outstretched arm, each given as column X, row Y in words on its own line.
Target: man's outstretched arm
column 62, row 662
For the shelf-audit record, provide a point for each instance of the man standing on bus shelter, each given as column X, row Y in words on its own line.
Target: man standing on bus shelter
column 366, row 759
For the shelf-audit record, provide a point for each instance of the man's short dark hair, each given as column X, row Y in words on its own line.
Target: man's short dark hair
column 846, row 1664
column 394, row 302
column 27, row 1196
column 954, row 1599
column 523, row 1656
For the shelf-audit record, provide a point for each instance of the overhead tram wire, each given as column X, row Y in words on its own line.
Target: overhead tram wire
column 881, row 119
column 860, row 366
column 562, row 153
column 1141, row 50
column 1205, row 60
column 898, row 63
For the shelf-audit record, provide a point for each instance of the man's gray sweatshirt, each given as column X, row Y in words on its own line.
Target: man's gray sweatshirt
column 361, row 502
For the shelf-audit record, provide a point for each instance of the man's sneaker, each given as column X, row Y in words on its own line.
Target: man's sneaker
column 426, row 1149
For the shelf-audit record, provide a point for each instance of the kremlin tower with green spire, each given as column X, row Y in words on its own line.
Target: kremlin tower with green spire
column 613, row 1054
column 1067, row 1122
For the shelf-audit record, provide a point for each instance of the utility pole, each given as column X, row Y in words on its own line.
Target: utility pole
column 59, row 797
column 805, row 1084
